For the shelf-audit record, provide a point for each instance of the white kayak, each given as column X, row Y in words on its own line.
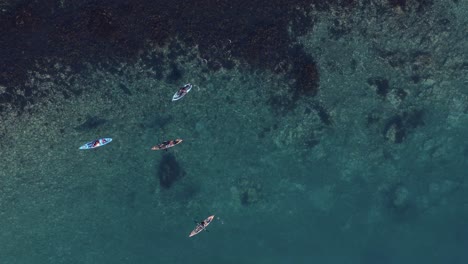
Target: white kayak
column 201, row 226
column 182, row 92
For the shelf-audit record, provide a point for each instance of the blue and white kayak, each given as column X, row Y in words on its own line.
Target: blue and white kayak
column 96, row 143
column 182, row 92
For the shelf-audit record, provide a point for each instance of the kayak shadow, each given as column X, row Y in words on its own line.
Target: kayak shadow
column 169, row 171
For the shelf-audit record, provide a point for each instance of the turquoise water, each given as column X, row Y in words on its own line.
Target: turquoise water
column 362, row 172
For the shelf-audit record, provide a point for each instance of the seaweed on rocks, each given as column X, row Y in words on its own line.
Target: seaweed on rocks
column 372, row 119
column 394, row 130
column 124, row 89
column 397, row 127
column 175, row 74
column 380, row 85
column 78, row 33
column 414, row 119
column 250, row 191
column 281, row 104
column 397, row 3
column 417, row 5
column 92, row 122
column 305, row 72
column 323, row 114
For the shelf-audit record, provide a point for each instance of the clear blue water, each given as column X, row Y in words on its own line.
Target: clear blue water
column 284, row 186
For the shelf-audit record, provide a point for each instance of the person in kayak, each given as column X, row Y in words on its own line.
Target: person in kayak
column 201, row 226
column 167, row 144
column 176, row 141
column 182, row 91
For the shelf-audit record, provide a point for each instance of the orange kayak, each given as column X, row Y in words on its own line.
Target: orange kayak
column 167, row 144
column 201, row 226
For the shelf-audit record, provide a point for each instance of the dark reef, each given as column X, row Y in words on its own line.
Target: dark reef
column 323, row 114
column 397, row 127
column 91, row 122
column 380, row 85
column 125, row 90
column 261, row 34
column 418, row 5
column 101, row 32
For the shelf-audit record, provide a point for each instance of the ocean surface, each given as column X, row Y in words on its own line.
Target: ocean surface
column 315, row 131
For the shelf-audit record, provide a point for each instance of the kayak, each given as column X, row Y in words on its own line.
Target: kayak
column 182, row 92
column 201, row 226
column 96, row 143
column 167, row 144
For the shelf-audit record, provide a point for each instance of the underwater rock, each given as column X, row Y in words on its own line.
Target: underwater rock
column 417, row 5
column 304, row 71
column 249, row 196
column 91, row 122
column 397, row 127
column 175, row 74
column 396, row 97
column 372, row 119
column 397, row 3
column 281, row 105
column 258, row 33
column 250, row 192
column 399, row 202
column 380, row 85
column 305, row 131
column 401, row 197
column 5, row 98
column 125, row 89
column 394, row 131
column 323, row 114
column 169, row 171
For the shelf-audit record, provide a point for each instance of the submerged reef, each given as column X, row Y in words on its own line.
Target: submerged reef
column 380, row 85
column 41, row 36
column 398, row 126
column 38, row 35
column 399, row 202
column 250, row 192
